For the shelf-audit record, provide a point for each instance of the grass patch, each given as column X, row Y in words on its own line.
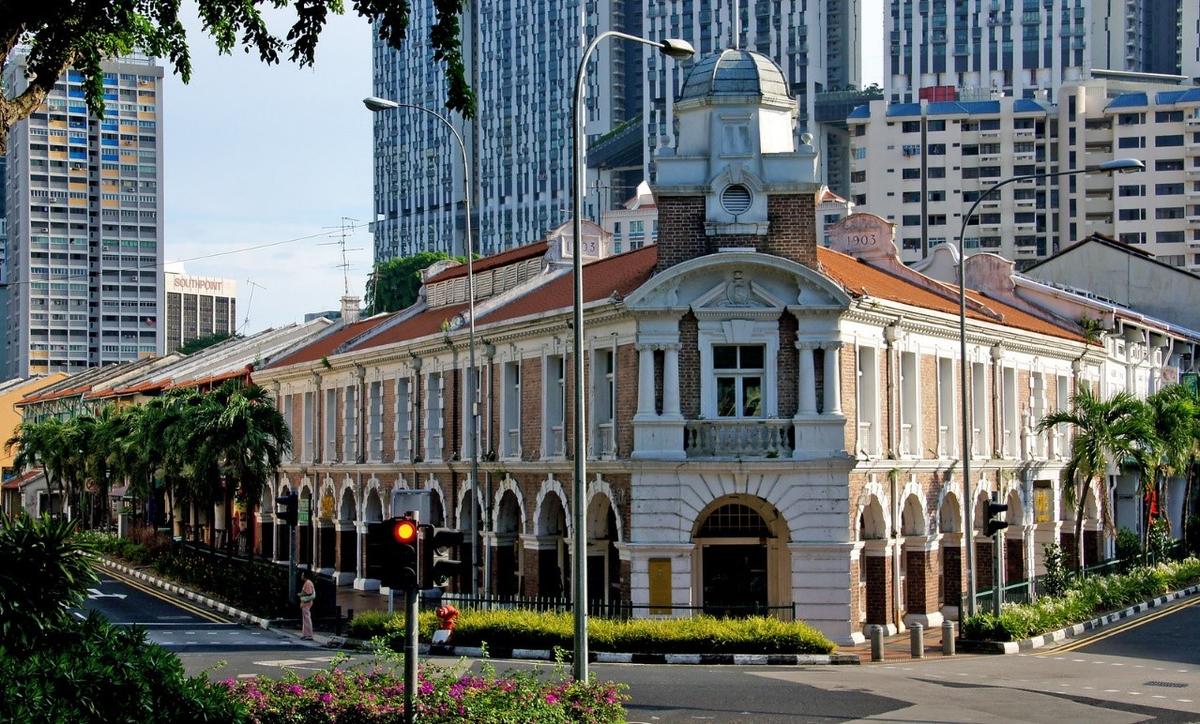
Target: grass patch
column 509, row 628
column 1085, row 598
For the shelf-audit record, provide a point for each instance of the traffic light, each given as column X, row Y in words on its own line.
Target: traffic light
column 994, row 524
column 438, row 566
column 401, row 568
column 287, row 508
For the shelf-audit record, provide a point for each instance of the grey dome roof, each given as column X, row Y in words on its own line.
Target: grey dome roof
column 734, row 72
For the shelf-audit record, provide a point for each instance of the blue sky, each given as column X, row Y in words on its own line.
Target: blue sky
column 256, row 154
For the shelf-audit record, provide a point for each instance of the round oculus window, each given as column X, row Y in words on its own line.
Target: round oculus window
column 736, row 199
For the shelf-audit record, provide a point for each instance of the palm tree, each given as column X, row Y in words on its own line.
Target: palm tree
column 1173, row 417
column 1114, row 430
column 248, row 439
column 39, row 443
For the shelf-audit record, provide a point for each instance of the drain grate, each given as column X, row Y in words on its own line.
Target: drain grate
column 1166, row 684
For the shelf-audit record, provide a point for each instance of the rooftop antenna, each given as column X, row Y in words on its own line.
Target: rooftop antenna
column 250, row 301
column 345, row 229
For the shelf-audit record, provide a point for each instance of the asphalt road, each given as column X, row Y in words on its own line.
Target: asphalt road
column 1147, row 669
column 180, row 625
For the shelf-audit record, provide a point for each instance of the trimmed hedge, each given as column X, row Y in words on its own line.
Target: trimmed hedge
column 1085, row 599
column 513, row 628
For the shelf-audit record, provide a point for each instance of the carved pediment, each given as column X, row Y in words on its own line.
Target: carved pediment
column 738, row 291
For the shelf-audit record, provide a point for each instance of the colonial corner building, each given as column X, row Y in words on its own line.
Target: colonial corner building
column 770, row 423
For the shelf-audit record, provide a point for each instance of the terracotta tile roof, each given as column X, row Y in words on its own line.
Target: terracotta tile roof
column 24, row 478
column 512, row 256
column 329, row 343
column 622, row 273
column 213, row 379
column 147, row 386
column 419, row 325
column 861, row 279
column 828, row 195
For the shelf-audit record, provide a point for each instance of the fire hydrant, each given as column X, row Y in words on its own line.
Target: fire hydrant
column 448, row 616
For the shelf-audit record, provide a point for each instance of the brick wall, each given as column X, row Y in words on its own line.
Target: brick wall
column 681, row 234
column 387, row 420
column 849, row 390
column 1014, row 561
column 627, row 395
column 689, row 364
column 983, row 564
column 787, row 365
column 879, row 589
column 531, row 408
column 921, row 569
column 952, row 585
column 927, row 364
column 451, row 414
column 340, row 431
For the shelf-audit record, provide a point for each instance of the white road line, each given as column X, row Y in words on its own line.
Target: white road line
column 1111, row 691
column 247, row 676
column 1184, row 701
column 1078, row 661
column 1135, row 693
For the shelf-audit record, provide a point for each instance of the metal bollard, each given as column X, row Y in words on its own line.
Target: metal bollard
column 877, row 643
column 947, row 638
column 917, row 641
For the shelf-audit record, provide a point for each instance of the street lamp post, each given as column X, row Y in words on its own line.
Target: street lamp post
column 1119, row 165
column 376, row 105
column 679, row 50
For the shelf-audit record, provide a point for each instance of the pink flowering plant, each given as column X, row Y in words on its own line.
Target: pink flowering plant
column 376, row 694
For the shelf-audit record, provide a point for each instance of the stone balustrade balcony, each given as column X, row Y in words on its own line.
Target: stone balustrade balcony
column 759, row 438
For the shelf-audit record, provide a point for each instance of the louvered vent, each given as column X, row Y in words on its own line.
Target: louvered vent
column 736, row 199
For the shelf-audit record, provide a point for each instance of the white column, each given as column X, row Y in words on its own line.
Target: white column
column 645, row 380
column 807, row 379
column 833, row 390
column 670, row 380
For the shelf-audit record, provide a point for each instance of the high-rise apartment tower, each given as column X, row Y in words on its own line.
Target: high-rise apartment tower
column 85, row 210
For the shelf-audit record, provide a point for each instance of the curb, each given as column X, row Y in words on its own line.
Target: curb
column 608, row 657
column 1062, row 634
column 191, row 595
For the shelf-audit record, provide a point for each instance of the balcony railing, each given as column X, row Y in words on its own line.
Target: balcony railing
column 605, row 444
column 738, row 438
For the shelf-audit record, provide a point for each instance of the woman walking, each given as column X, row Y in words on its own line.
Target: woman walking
column 308, row 594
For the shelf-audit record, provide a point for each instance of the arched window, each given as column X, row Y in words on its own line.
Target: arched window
column 734, row 520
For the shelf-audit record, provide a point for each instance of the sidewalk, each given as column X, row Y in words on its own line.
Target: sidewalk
column 349, row 600
column 899, row 647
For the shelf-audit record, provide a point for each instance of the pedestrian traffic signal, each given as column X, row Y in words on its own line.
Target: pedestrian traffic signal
column 402, row 554
column 438, row 564
column 994, row 524
column 287, row 508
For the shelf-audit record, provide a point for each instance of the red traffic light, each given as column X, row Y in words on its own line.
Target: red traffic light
column 405, row 531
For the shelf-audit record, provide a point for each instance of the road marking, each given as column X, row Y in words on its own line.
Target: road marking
column 282, row 662
column 1122, row 627
column 94, row 593
column 1158, row 696
column 1184, row 701
column 247, row 676
column 163, row 597
column 1135, row 693
column 1111, row 691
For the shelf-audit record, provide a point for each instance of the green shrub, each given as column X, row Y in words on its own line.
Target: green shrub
column 44, row 570
column 257, row 587
column 1055, row 580
column 515, row 628
column 1159, row 543
column 1084, row 599
column 92, row 671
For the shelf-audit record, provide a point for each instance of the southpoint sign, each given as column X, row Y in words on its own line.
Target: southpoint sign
column 193, row 285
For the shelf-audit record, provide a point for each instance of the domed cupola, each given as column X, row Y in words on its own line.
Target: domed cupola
column 736, row 148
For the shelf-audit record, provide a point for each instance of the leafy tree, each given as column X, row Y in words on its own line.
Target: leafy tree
column 395, row 283
column 247, row 437
column 1173, row 416
column 38, row 444
column 1116, row 430
column 204, row 342
column 62, row 34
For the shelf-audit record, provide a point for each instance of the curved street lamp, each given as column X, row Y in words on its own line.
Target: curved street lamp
column 679, row 50
column 375, row 105
column 1118, row 165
